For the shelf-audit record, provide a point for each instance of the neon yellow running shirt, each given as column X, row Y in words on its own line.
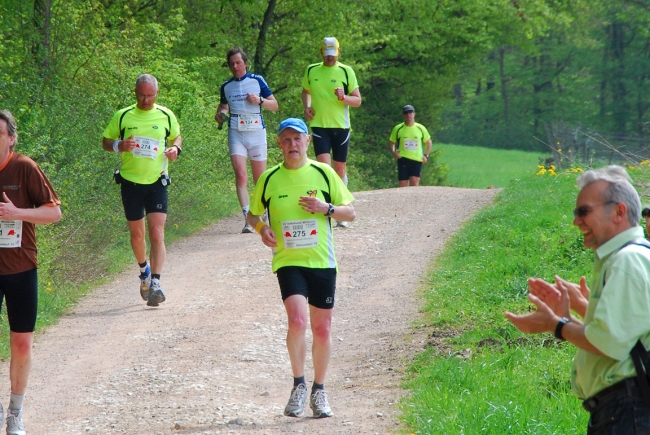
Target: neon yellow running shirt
column 320, row 81
column 150, row 128
column 304, row 239
column 409, row 141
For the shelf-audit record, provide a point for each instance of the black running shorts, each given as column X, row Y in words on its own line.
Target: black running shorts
column 139, row 199
column 407, row 168
column 317, row 285
column 335, row 139
column 20, row 291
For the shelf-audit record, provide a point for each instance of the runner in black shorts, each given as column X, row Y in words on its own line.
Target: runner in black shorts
column 27, row 199
column 302, row 197
column 146, row 137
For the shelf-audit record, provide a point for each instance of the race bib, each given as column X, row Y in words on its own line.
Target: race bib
column 11, row 234
column 146, row 147
column 411, row 144
column 300, row 234
column 249, row 122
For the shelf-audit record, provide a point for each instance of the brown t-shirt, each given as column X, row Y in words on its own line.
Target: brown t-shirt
column 27, row 187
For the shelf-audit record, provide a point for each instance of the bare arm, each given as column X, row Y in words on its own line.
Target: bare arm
column 306, row 103
column 270, row 103
column 353, row 99
column 45, row 214
column 391, row 148
column 264, row 230
column 221, row 108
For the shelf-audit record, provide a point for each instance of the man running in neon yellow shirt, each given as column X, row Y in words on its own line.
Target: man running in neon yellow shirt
column 330, row 88
column 302, row 197
column 141, row 134
column 405, row 143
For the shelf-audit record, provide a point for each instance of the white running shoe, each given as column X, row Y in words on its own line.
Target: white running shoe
column 319, row 404
column 247, row 229
column 15, row 424
column 342, row 224
column 297, row 401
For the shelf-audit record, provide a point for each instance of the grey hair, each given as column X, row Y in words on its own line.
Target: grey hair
column 12, row 127
column 619, row 189
column 147, row 78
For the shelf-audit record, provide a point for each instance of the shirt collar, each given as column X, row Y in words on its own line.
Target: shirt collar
column 616, row 242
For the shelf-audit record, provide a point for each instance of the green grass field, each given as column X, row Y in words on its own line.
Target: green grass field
column 480, row 167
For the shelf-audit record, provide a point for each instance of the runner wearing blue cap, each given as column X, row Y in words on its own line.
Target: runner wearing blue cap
column 302, row 197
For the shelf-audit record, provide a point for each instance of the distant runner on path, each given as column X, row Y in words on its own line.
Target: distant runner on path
column 302, row 196
column 27, row 199
column 245, row 95
column 141, row 134
column 330, row 88
column 406, row 144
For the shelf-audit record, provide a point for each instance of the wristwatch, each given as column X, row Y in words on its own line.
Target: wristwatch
column 330, row 211
column 558, row 329
column 427, row 156
column 261, row 100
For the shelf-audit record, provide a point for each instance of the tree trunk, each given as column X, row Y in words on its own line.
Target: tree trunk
column 258, row 61
column 504, row 90
column 41, row 20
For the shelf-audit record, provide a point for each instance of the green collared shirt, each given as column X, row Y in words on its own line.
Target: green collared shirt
column 617, row 314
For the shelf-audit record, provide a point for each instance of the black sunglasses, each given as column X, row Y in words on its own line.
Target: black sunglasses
column 584, row 210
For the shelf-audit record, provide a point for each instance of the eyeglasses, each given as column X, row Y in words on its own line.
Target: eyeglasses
column 584, row 210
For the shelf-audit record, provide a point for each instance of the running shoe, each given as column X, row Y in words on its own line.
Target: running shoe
column 297, row 401
column 247, row 229
column 319, row 404
column 156, row 295
column 342, row 224
column 145, row 283
column 15, row 424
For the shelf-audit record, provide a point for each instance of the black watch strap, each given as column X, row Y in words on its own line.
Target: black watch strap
column 558, row 329
column 330, row 211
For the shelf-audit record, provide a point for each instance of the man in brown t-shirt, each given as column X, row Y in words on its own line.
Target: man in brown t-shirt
column 27, row 199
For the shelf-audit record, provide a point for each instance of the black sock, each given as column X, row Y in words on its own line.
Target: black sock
column 316, row 386
column 298, row 381
column 143, row 265
column 155, row 276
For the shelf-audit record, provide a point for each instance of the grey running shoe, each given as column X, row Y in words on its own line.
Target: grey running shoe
column 342, row 224
column 15, row 424
column 319, row 404
column 156, row 295
column 247, row 229
column 297, row 401
column 145, row 283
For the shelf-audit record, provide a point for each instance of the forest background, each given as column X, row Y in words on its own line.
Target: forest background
column 499, row 73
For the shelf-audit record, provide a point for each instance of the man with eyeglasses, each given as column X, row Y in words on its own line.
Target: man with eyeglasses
column 612, row 317
column 146, row 136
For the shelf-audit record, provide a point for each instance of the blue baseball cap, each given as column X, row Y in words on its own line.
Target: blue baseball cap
column 295, row 123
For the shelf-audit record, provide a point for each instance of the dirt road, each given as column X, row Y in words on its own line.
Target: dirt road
column 212, row 358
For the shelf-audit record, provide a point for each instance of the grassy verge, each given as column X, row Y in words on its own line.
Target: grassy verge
column 479, row 167
column 511, row 383
column 496, row 380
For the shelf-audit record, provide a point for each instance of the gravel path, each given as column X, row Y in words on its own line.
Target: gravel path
column 212, row 358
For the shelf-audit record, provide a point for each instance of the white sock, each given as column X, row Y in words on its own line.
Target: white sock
column 244, row 210
column 16, row 401
column 345, row 180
